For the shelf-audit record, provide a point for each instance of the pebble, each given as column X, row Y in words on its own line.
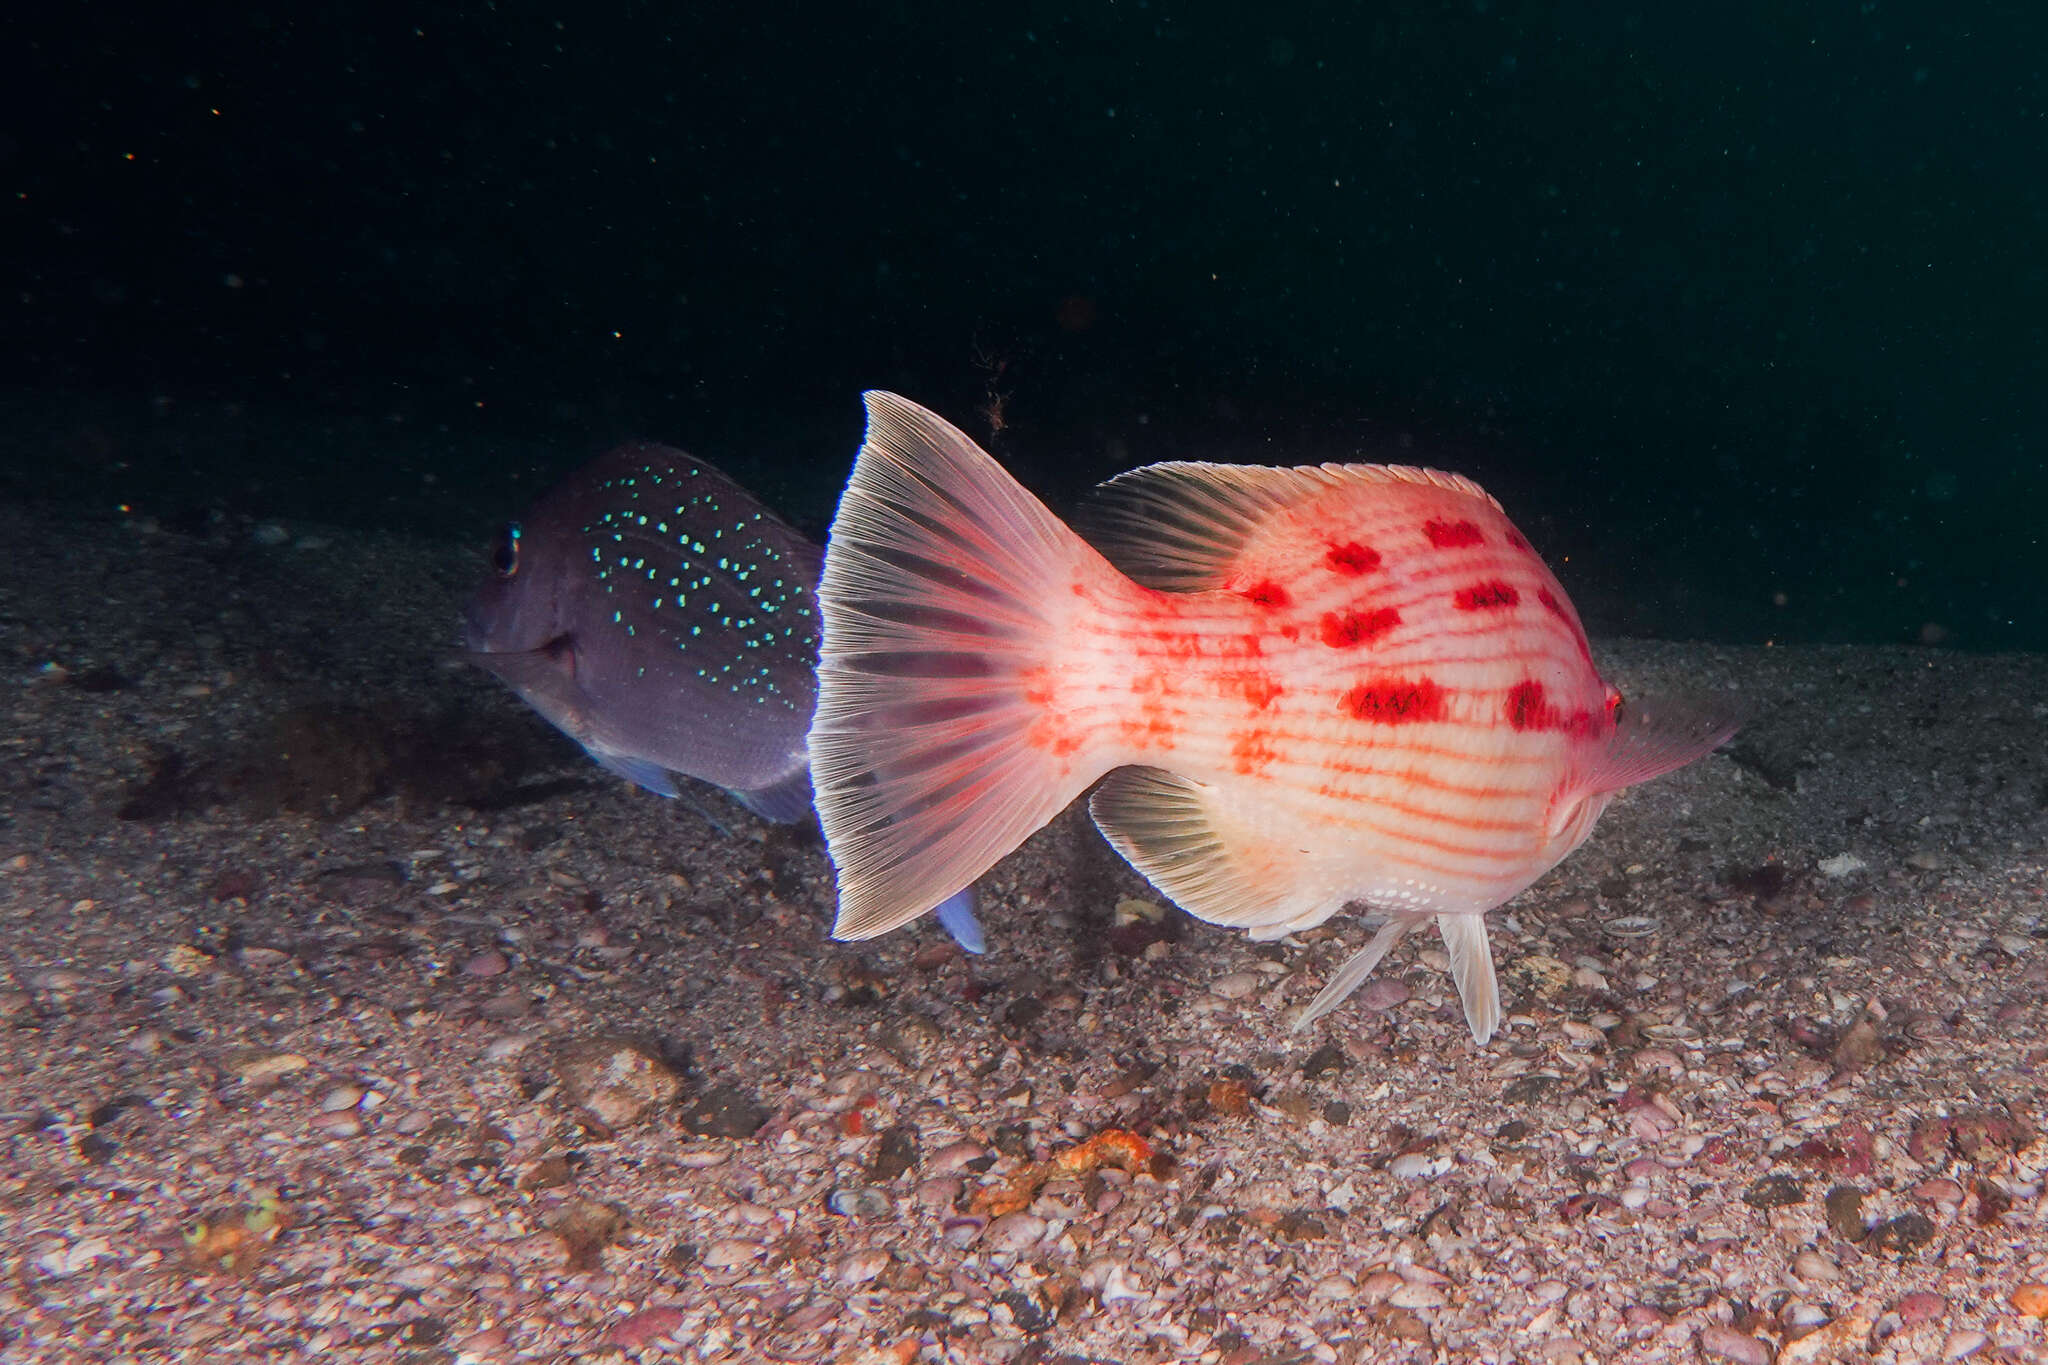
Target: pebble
column 1016, row 1231
column 507, row 1045
column 1725, row 1343
column 1417, row 1296
column 1843, row 1339
column 1417, row 1166
column 341, row 1097
column 941, row 1192
column 490, row 962
column 963, row 1231
column 1635, row 1196
column 2031, row 1300
column 817, row 1312
column 1939, row 1191
column 1816, row 1267
column 1962, row 1345
column 1921, row 1306
column 858, row 1201
column 263, row 1068
column 1382, row 994
column 703, row 1158
column 727, row 1252
column 340, row 1124
column 1338, row 1288
column 1378, row 1285
column 955, row 1157
column 1236, row 985
column 862, row 1266
column 638, row 1330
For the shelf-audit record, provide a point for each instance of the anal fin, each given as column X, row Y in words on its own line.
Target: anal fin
column 1189, row 840
column 641, row 772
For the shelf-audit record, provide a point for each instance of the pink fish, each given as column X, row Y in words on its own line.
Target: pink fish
column 1299, row 689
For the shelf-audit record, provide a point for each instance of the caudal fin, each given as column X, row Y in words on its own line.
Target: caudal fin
column 944, row 591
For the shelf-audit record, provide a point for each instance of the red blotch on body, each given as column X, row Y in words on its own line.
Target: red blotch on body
column 1527, row 709
column 1344, row 629
column 1251, row 751
column 1054, row 736
column 1258, row 688
column 1352, row 558
column 1515, row 539
column 1151, row 724
column 1451, row 535
column 1266, row 593
column 1401, row 702
column 1492, row 596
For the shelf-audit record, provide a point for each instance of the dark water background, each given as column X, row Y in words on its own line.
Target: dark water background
column 1740, row 309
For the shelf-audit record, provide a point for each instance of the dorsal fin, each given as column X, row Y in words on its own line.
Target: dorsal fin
column 1183, row 526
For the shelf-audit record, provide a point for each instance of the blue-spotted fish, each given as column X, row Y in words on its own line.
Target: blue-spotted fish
column 1299, row 689
column 659, row 615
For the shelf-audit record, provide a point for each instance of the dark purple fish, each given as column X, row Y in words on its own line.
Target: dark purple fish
column 661, row 617
column 656, row 613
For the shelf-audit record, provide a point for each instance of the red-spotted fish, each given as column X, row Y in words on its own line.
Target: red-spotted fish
column 659, row 615
column 1307, row 688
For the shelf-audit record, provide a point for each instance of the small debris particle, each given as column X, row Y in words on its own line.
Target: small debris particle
column 1845, row 1213
column 1775, row 1192
column 725, row 1111
column 894, row 1154
column 1907, row 1232
column 1325, row 1060
column 586, row 1228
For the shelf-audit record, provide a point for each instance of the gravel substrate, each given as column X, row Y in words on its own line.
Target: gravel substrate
column 351, row 1014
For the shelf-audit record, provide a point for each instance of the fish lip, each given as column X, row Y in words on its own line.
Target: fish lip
column 481, row 655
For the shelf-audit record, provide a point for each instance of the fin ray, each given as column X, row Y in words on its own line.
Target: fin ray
column 1659, row 734
column 939, row 574
column 1355, row 970
column 1472, row 969
column 1183, row 526
column 1186, row 838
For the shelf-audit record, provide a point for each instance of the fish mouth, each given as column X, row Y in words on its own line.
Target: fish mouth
column 560, row 652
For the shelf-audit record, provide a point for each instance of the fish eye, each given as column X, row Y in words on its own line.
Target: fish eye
column 505, row 550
